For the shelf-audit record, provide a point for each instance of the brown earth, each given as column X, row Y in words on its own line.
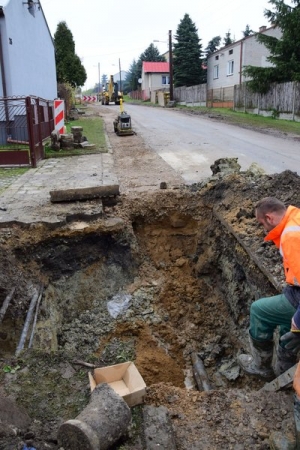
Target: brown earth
column 168, row 254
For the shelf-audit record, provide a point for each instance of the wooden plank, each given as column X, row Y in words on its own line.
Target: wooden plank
column 69, row 195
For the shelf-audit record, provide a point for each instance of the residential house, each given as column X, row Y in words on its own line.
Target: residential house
column 155, row 75
column 225, row 66
column 27, row 57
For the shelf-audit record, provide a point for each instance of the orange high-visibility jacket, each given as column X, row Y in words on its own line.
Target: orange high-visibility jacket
column 286, row 236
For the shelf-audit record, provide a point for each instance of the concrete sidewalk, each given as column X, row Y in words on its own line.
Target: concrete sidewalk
column 27, row 199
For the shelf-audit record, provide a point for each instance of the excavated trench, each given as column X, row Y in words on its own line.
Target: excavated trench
column 156, row 280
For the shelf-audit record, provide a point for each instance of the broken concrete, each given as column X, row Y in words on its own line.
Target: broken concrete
column 158, row 430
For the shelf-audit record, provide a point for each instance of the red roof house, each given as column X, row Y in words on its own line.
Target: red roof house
column 155, row 75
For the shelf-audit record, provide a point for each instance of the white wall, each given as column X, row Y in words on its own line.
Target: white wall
column 153, row 80
column 29, row 59
column 245, row 52
column 222, row 58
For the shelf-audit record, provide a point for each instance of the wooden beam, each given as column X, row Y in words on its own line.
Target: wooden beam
column 71, row 195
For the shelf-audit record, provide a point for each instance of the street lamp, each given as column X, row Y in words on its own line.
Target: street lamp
column 170, row 63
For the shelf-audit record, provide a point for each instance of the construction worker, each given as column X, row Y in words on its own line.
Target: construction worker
column 283, row 311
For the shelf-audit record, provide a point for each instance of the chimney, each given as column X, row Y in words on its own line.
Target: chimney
column 262, row 28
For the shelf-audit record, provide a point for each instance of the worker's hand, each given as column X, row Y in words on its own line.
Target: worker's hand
column 291, row 341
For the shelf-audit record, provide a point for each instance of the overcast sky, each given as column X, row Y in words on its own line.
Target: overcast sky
column 108, row 32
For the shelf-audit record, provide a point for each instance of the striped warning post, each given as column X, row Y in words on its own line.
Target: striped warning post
column 59, row 116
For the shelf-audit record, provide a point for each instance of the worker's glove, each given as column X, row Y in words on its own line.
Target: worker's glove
column 291, row 341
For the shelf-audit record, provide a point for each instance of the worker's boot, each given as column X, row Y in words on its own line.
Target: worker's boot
column 259, row 363
column 285, row 359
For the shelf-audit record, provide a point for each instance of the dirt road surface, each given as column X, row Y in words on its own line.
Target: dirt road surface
column 191, row 259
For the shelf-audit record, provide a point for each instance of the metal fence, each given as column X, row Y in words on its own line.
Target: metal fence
column 24, row 123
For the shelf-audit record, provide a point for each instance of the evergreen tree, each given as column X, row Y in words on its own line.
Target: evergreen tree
column 69, row 68
column 247, row 31
column 150, row 54
column 131, row 80
column 187, row 62
column 212, row 46
column 227, row 40
column 284, row 52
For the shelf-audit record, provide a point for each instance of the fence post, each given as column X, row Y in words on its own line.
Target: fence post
column 294, row 98
column 49, row 120
column 30, row 131
column 40, row 128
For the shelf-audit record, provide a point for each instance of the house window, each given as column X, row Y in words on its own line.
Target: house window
column 216, row 71
column 165, row 79
column 231, row 52
column 230, row 67
column 217, row 57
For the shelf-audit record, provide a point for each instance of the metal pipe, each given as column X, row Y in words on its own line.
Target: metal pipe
column 35, row 318
column 15, row 141
column 2, row 69
column 6, row 303
column 200, row 373
column 34, row 299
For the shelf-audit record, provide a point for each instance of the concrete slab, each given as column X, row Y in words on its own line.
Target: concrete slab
column 27, row 199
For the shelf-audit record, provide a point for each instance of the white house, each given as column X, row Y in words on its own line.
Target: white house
column 225, row 66
column 155, row 75
column 27, row 57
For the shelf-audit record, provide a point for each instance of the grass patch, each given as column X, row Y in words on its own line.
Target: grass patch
column 12, row 172
column 247, row 119
column 93, row 130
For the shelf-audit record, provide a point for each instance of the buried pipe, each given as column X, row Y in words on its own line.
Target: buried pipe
column 33, row 302
column 199, row 373
column 35, row 317
column 102, row 423
column 6, row 303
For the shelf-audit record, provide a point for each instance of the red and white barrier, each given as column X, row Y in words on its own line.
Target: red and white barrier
column 89, row 98
column 59, row 116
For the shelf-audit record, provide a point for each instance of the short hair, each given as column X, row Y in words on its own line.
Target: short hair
column 269, row 205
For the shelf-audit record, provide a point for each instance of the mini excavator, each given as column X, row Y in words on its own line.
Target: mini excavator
column 122, row 124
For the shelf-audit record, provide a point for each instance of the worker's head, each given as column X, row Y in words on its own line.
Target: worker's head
column 269, row 212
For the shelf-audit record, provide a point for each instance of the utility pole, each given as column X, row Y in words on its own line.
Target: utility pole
column 120, row 76
column 99, row 81
column 171, row 65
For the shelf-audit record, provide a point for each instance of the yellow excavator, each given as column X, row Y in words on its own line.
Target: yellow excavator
column 111, row 94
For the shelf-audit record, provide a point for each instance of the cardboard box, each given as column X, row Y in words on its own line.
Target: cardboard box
column 124, row 378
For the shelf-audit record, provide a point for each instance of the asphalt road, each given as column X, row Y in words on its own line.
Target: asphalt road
column 190, row 144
